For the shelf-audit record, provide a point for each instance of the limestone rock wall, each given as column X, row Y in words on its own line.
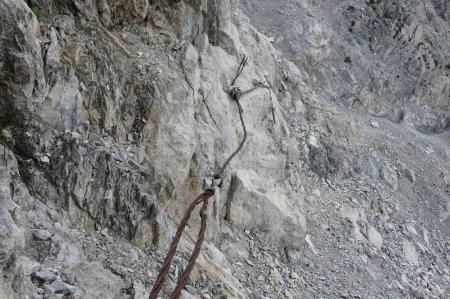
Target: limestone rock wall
column 118, row 110
column 113, row 112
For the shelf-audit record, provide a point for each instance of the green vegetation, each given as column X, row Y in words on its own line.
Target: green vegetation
column 5, row 122
column 36, row 12
column 2, row 139
column 347, row 59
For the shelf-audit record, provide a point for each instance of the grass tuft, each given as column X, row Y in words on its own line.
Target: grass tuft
column 2, row 139
column 36, row 12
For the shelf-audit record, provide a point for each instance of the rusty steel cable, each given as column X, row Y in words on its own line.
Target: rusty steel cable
column 198, row 246
column 203, row 198
column 236, row 94
column 240, row 69
column 222, row 169
column 173, row 246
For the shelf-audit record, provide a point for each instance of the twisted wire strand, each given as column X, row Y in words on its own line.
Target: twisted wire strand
column 240, row 69
column 195, row 253
column 225, row 165
column 173, row 246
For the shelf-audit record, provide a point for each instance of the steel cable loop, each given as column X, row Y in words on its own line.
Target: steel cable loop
column 173, row 246
column 195, row 253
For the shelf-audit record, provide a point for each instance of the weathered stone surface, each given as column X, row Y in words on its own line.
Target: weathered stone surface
column 389, row 176
column 375, row 124
column 41, row 234
column 410, row 253
column 60, row 287
column 113, row 112
column 374, row 237
column 21, row 60
column 202, row 41
column 46, row 274
column 251, row 205
column 12, row 237
column 97, row 281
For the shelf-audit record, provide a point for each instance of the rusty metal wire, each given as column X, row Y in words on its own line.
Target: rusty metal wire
column 240, row 69
column 198, row 246
column 222, row 169
column 173, row 247
column 203, row 198
column 236, row 93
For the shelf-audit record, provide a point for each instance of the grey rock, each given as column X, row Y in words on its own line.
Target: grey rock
column 41, row 234
column 97, row 281
column 44, row 159
column 375, row 124
column 249, row 208
column 201, row 41
column 294, row 275
column 46, row 274
column 389, row 176
column 104, row 12
column 410, row 253
column 139, row 291
column 374, row 237
column 276, row 277
column 410, row 175
column 131, row 130
column 65, row 23
column 52, row 59
column 60, row 287
column 48, row 289
column 24, row 55
column 288, row 295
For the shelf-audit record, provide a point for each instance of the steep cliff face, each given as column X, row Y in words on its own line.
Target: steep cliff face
column 113, row 112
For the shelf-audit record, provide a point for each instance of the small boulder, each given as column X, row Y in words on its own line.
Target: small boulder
column 255, row 205
column 410, row 175
column 45, row 275
column 375, row 124
column 410, row 253
column 288, row 295
column 201, row 41
column 294, row 276
column 276, row 277
column 389, row 176
column 374, row 237
column 41, row 234
column 61, row 287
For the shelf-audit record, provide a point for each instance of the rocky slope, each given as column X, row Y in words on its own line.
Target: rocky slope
column 113, row 112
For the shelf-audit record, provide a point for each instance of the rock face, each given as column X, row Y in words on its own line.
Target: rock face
column 256, row 206
column 113, row 112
